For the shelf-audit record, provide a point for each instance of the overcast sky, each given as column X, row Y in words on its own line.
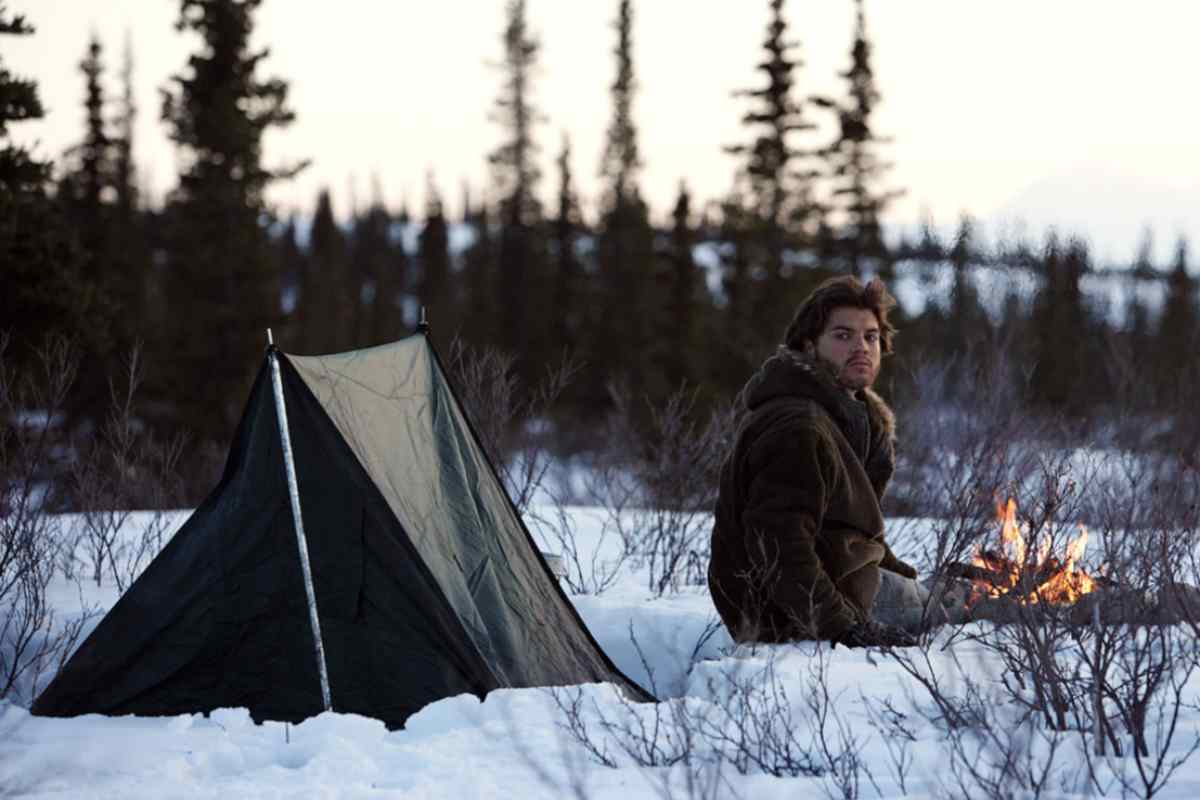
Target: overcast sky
column 1059, row 112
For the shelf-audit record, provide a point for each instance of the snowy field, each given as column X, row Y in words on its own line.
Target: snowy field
column 768, row 722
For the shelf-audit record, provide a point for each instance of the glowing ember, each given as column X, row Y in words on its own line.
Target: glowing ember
column 1012, row 572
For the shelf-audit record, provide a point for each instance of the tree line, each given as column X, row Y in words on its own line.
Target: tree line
column 698, row 301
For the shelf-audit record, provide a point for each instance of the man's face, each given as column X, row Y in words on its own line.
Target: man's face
column 850, row 344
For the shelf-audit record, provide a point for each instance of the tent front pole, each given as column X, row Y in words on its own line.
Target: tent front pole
column 301, row 541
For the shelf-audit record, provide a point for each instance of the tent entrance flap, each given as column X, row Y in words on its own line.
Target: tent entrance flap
column 289, row 462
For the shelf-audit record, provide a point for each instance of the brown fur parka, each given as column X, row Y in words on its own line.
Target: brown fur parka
column 797, row 541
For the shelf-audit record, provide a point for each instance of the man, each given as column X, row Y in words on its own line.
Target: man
column 798, row 543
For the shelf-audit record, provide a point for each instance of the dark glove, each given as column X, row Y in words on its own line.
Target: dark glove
column 874, row 634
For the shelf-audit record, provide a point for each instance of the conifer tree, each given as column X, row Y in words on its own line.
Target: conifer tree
column 85, row 194
column 89, row 174
column 479, row 274
column 95, row 155
column 622, row 160
column 855, row 166
column 516, row 175
column 329, row 300
column 776, row 180
column 293, row 269
column 625, row 245
column 222, row 291
column 678, row 323
column 929, row 247
column 43, row 289
column 384, row 265
column 124, row 169
column 779, row 179
column 1134, row 343
column 130, row 256
column 433, row 260
column 1178, row 330
column 19, row 101
column 1061, row 315
column 567, row 308
column 739, row 343
column 966, row 314
column 1143, row 260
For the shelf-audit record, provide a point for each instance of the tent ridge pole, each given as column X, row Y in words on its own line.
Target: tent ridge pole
column 301, row 541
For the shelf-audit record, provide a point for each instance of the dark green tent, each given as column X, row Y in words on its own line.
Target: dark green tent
column 424, row 580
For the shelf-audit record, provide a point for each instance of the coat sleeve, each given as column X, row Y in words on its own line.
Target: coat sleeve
column 792, row 474
column 893, row 564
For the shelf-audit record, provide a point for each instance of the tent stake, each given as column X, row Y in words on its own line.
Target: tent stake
column 301, row 541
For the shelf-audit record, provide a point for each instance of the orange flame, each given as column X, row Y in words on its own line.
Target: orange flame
column 1011, row 566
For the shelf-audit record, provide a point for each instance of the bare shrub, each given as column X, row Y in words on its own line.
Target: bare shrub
column 894, row 728
column 1104, row 678
column 125, row 466
column 657, row 483
column 744, row 721
column 955, row 458
column 34, row 641
column 587, row 570
column 1140, row 669
column 513, row 422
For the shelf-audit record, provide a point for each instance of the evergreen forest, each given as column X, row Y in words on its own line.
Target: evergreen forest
column 639, row 306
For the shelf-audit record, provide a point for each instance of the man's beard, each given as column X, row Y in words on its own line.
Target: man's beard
column 846, row 381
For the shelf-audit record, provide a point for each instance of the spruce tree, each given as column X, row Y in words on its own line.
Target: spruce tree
column 775, row 196
column 124, row 176
column 567, row 309
column 1064, row 379
column 779, row 179
column 479, row 275
column 85, row 193
column 621, row 160
column 328, row 300
column 738, row 343
column 779, row 190
column 516, row 175
column 433, row 260
column 222, row 291
column 131, row 256
column 95, row 156
column 1178, row 331
column 966, row 314
column 929, row 248
column 19, row 101
column 383, row 265
column 44, row 291
column 678, row 322
column 293, row 269
column 625, row 245
column 389, row 318
column 855, row 166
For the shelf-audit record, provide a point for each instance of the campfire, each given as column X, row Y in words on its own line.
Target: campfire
column 1023, row 571
column 1018, row 572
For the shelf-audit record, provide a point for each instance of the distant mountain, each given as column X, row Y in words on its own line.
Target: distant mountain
column 1110, row 209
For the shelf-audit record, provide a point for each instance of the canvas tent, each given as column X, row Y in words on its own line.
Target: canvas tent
column 426, row 582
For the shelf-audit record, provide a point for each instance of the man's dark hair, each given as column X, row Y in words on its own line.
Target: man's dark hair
column 844, row 291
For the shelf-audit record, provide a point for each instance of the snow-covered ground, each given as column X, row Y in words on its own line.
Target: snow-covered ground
column 767, row 722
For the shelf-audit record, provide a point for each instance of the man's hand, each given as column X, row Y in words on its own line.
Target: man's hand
column 893, row 564
column 874, row 634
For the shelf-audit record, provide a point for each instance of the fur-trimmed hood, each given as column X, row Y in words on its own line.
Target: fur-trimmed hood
column 867, row 422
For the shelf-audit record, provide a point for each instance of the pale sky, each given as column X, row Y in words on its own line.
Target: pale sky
column 1069, row 112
